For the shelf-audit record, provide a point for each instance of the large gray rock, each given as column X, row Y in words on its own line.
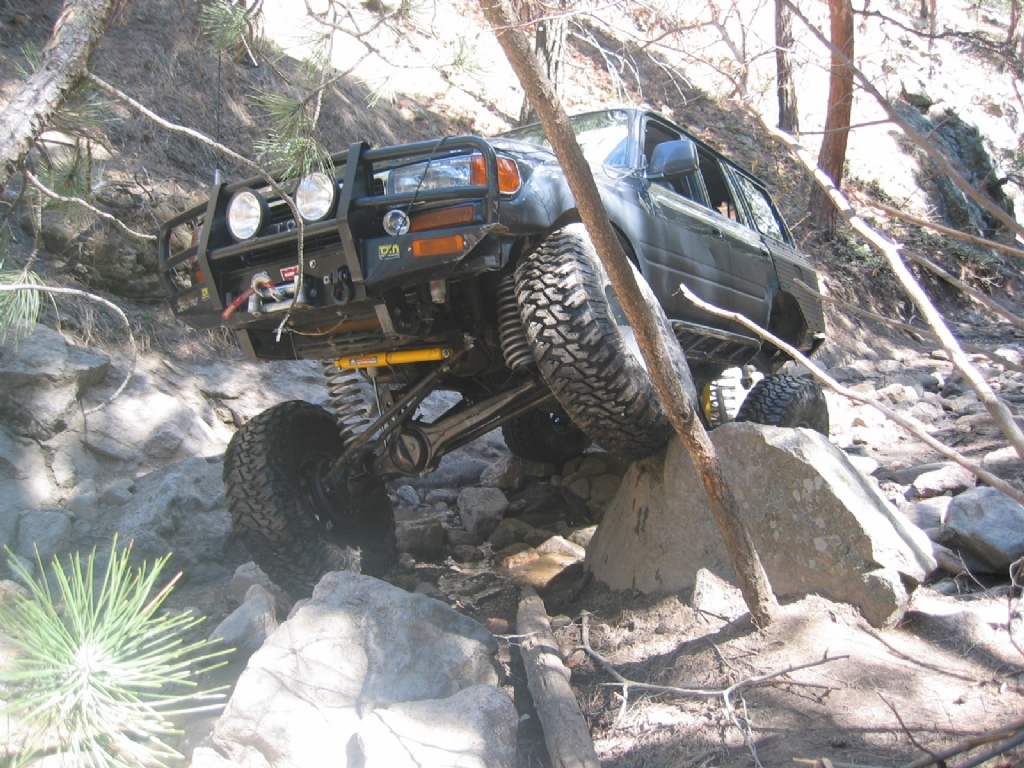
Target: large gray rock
column 989, row 524
column 817, row 523
column 475, row 728
column 357, row 645
column 41, row 380
column 180, row 510
column 46, row 532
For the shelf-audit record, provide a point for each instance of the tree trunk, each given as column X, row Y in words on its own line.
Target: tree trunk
column 789, row 119
column 76, row 34
column 832, row 156
column 745, row 562
column 549, row 47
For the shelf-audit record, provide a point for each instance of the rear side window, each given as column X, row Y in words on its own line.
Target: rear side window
column 763, row 214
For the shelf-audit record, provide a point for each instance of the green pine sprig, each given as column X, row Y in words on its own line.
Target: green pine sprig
column 99, row 669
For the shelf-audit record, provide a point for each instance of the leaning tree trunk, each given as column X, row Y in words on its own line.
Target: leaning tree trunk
column 752, row 579
column 76, row 34
column 837, row 123
column 789, row 120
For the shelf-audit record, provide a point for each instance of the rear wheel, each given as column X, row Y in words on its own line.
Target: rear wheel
column 782, row 400
column 587, row 351
column 546, row 437
column 295, row 527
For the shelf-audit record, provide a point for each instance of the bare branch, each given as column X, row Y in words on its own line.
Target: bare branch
column 88, row 206
column 858, row 397
column 99, row 300
column 1013, row 731
column 945, row 230
column 977, row 295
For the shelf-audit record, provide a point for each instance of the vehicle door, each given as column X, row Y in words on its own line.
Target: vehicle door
column 751, row 276
column 681, row 237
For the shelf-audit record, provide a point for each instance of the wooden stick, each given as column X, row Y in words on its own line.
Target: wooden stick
column 565, row 731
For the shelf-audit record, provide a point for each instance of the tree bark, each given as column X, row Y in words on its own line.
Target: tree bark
column 752, row 579
column 832, row 156
column 76, row 34
column 789, row 119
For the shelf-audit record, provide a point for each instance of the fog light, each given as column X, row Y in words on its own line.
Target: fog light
column 396, row 222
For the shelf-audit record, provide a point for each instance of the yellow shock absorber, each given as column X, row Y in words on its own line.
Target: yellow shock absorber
column 380, row 359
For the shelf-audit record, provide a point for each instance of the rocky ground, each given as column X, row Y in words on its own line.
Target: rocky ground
column 148, row 468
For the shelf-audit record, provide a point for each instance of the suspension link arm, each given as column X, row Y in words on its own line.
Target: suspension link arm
column 418, row 448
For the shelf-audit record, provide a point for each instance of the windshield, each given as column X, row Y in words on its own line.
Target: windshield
column 603, row 136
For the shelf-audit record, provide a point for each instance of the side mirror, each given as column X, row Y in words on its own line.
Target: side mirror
column 672, row 159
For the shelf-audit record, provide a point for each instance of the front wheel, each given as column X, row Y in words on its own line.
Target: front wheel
column 295, row 527
column 586, row 349
column 783, row 400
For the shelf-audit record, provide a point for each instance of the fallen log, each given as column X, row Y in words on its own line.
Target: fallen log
column 565, row 731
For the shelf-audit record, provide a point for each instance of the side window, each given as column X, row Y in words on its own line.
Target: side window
column 764, row 219
column 687, row 186
column 719, row 194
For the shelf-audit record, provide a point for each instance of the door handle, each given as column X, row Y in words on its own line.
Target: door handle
column 717, row 232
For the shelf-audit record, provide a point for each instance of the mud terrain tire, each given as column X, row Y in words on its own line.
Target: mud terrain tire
column 294, row 530
column 585, row 348
column 782, row 400
column 544, row 437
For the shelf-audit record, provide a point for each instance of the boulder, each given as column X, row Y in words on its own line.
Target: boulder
column 951, row 478
column 359, row 644
column 481, row 509
column 475, row 728
column 24, row 482
column 817, row 523
column 988, row 524
column 556, row 545
column 507, row 473
column 41, row 380
column 249, row 625
column 509, row 531
column 46, row 531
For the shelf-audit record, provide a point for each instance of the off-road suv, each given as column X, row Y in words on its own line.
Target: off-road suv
column 460, row 264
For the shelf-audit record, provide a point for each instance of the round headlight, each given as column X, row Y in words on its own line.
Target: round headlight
column 245, row 214
column 315, row 195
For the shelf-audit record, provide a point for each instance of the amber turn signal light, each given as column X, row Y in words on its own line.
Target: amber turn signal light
column 438, row 246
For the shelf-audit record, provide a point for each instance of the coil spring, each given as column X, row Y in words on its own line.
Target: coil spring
column 514, row 344
column 351, row 411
